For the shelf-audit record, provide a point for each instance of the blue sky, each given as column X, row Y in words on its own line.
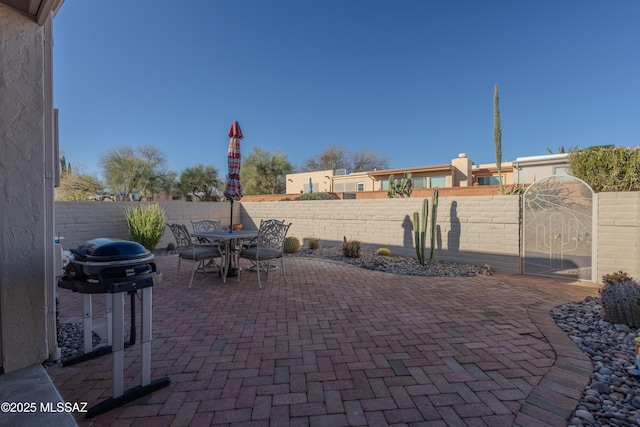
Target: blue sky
column 409, row 79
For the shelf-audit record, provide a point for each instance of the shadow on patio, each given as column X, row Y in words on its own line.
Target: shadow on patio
column 340, row 345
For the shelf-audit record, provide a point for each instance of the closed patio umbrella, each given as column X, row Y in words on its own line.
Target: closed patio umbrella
column 233, row 189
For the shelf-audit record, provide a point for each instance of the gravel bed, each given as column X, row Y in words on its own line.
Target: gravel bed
column 612, row 397
column 396, row 264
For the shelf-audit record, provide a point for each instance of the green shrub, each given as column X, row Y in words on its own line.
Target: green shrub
column 146, row 224
column 607, row 168
column 291, row 245
column 351, row 248
column 314, row 243
column 621, row 299
column 383, row 252
column 314, row 196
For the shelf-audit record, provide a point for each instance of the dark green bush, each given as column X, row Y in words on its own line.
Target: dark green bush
column 606, row 168
column 314, row 196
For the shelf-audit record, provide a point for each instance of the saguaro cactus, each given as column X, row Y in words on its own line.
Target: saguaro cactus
column 420, row 230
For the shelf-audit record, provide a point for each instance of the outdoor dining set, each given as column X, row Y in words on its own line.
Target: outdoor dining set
column 208, row 242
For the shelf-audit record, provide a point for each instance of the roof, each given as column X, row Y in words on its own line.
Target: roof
column 436, row 168
column 37, row 10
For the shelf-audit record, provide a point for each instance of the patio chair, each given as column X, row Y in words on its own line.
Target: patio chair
column 205, row 226
column 202, row 255
column 208, row 225
column 268, row 246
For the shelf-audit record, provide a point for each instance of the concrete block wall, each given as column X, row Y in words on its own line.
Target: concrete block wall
column 618, row 233
column 474, row 229
column 78, row 222
column 477, row 229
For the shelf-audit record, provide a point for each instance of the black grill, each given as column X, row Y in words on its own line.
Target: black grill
column 108, row 266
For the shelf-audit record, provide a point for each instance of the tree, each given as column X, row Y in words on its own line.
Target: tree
column 366, row 160
column 142, row 170
column 77, row 186
column 201, row 182
column 336, row 157
column 264, row 173
column 497, row 136
column 333, row 158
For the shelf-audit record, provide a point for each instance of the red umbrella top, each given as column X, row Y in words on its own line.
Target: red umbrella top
column 233, row 189
column 235, row 131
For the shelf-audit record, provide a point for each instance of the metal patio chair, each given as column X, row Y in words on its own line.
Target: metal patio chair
column 191, row 249
column 268, row 246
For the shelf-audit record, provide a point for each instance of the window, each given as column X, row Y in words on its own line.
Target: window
column 488, row 180
column 384, row 184
column 438, row 181
column 349, row 187
column 360, row 186
column 420, row 182
column 560, row 170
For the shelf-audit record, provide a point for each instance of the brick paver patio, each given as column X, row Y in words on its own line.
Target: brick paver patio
column 341, row 345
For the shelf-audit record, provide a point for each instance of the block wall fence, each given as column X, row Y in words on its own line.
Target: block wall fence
column 474, row 229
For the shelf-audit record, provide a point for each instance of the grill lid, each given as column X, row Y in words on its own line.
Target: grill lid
column 106, row 250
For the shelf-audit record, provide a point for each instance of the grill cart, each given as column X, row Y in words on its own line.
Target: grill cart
column 113, row 267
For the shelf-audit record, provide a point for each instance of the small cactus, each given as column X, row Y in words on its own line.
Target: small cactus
column 621, row 299
column 351, row 248
column 291, row 245
column 383, row 252
column 314, row 243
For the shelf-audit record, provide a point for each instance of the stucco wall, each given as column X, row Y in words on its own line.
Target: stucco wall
column 22, row 197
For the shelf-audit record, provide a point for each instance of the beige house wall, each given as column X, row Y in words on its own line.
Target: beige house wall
column 348, row 183
column 26, row 248
column 527, row 170
column 298, row 183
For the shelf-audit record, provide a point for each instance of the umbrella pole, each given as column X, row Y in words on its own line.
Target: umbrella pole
column 231, row 221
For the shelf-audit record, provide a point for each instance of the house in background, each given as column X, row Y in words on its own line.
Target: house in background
column 527, row 170
column 300, row 182
column 461, row 172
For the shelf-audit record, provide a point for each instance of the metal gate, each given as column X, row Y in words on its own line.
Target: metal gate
column 557, row 228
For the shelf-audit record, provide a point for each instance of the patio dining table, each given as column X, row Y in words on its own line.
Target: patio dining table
column 229, row 241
